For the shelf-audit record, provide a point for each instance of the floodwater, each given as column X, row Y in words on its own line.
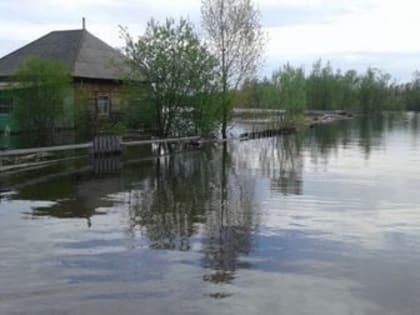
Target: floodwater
column 324, row 222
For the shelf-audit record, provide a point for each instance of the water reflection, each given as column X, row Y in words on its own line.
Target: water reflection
column 166, row 205
column 106, row 164
column 230, row 223
column 78, row 196
column 80, row 193
column 186, row 196
column 414, row 123
column 280, row 159
column 366, row 132
column 324, row 221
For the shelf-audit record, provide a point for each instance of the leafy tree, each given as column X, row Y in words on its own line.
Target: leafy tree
column 257, row 94
column 330, row 89
column 249, row 96
column 234, row 32
column 291, row 85
column 173, row 73
column 374, row 94
column 269, row 94
column 349, row 90
column 411, row 93
column 43, row 88
column 323, row 87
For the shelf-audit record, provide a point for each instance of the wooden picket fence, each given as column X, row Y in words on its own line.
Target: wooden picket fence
column 107, row 145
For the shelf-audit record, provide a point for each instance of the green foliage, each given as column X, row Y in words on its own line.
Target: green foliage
column 140, row 113
column 172, row 78
column 118, row 129
column 43, row 88
column 373, row 91
column 291, row 85
column 257, row 94
column 82, row 117
column 249, row 96
column 348, row 91
column 322, row 87
column 328, row 89
column 411, row 93
column 205, row 114
column 235, row 35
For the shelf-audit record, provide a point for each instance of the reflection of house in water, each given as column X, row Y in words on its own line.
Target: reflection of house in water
column 74, row 198
column 79, row 195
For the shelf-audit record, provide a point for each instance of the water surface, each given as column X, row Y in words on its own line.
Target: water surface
column 323, row 222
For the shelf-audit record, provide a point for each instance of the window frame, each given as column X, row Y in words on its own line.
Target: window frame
column 99, row 108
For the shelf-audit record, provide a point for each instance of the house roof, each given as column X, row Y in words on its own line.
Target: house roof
column 86, row 55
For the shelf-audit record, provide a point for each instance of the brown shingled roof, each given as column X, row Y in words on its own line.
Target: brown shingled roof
column 86, row 55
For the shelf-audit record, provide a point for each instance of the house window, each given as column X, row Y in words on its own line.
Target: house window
column 6, row 105
column 103, row 104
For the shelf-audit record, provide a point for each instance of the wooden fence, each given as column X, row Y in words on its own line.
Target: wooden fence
column 100, row 144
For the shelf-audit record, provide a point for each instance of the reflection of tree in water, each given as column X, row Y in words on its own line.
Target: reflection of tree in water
column 190, row 191
column 229, row 221
column 371, row 131
column 414, row 123
column 367, row 132
column 168, row 204
column 282, row 160
column 278, row 158
column 324, row 140
column 289, row 151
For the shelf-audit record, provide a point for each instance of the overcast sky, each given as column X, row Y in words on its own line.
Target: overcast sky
column 350, row 33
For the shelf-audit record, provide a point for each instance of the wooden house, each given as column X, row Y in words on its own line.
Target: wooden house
column 97, row 70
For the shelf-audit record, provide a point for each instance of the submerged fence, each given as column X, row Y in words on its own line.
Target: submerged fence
column 101, row 144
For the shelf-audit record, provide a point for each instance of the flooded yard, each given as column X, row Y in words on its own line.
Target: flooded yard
column 323, row 222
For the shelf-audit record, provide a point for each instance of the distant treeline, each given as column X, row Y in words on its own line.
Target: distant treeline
column 325, row 88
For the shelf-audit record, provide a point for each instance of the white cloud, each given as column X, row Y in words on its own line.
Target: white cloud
column 383, row 30
column 308, row 29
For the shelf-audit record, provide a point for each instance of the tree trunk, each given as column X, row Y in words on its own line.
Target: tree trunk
column 224, row 121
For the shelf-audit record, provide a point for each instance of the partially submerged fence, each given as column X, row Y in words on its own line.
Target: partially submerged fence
column 101, row 146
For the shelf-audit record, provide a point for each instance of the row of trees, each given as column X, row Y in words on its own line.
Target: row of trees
column 324, row 88
column 411, row 93
column 181, row 84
